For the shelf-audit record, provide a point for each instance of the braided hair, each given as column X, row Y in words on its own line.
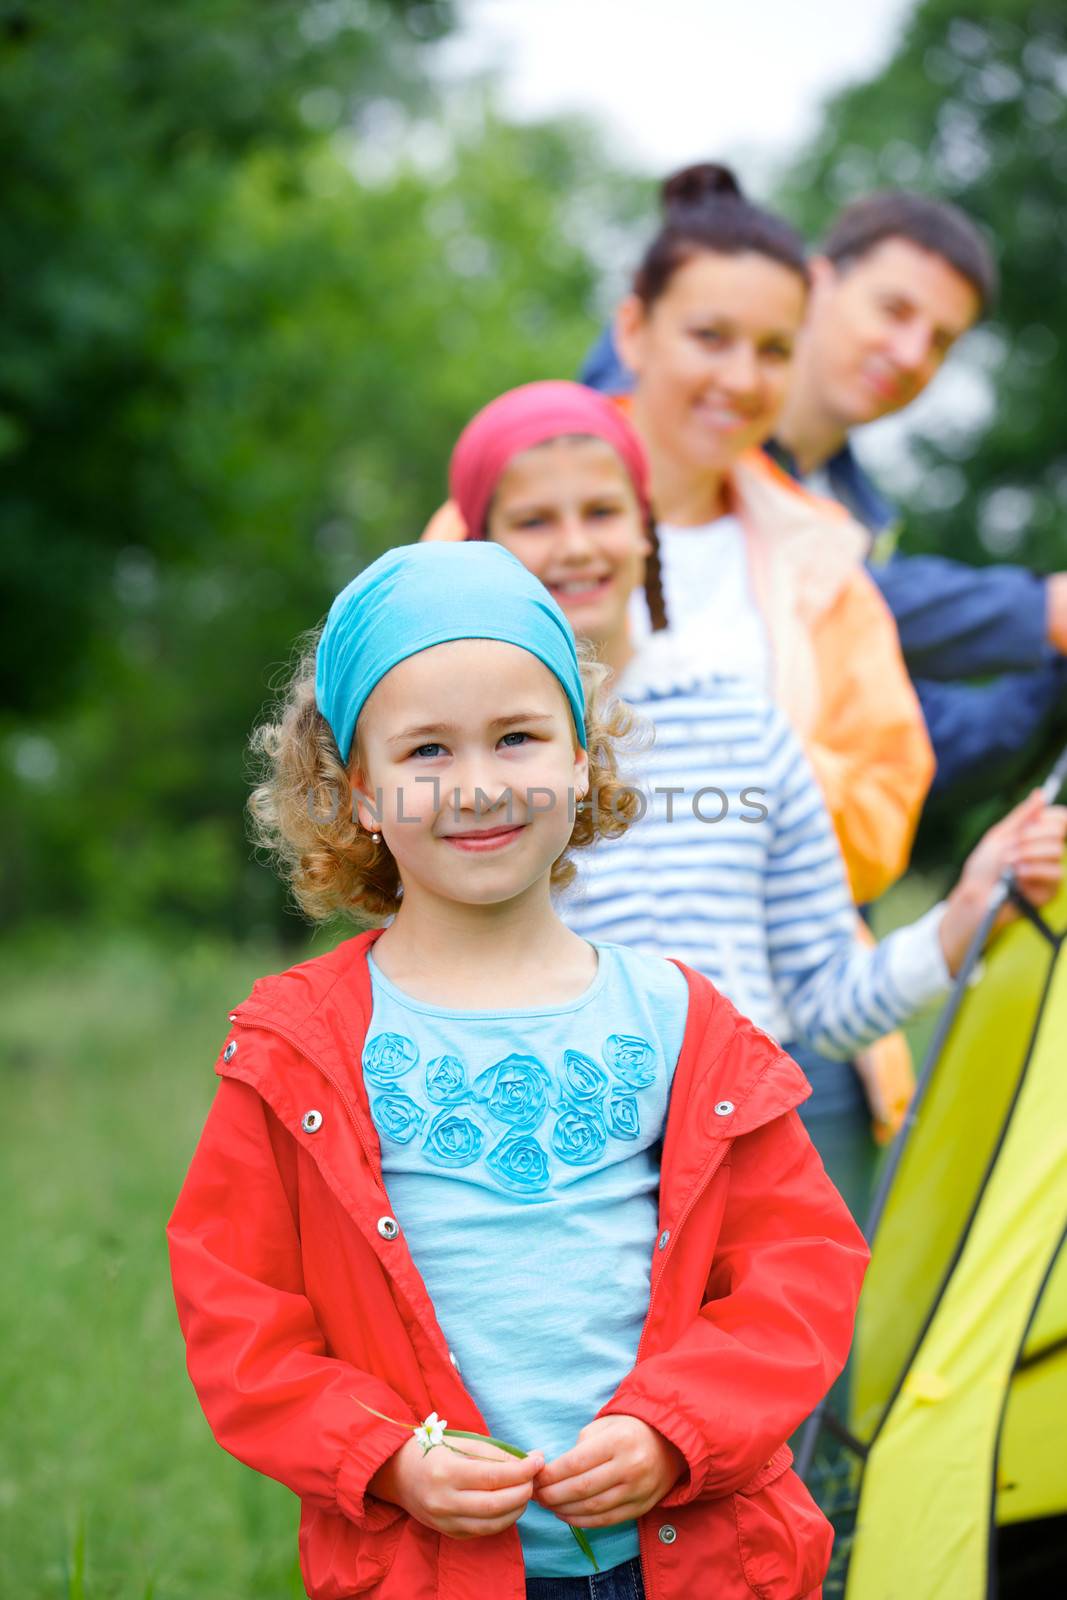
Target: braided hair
column 655, row 598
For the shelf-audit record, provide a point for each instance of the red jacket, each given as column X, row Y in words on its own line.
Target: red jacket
column 296, row 1293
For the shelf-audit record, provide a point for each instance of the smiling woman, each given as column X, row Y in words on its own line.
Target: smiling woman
column 709, row 331
column 763, row 580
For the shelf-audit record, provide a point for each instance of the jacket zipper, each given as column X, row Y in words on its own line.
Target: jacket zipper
column 705, row 1178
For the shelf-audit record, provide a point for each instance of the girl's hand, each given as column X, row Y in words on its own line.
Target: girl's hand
column 1031, row 840
column 465, row 1496
column 1038, row 853
column 619, row 1469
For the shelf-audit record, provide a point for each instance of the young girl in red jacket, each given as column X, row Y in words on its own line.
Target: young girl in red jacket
column 471, row 1167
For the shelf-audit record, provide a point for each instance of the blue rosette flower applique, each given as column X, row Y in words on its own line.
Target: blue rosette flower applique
column 583, row 1081
column 397, row 1116
column 623, row 1119
column 520, row 1164
column 579, row 1136
column 453, row 1139
column 387, row 1057
column 446, row 1080
column 632, row 1060
column 515, row 1090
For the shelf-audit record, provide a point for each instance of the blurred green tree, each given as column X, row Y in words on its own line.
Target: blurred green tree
column 258, row 275
column 124, row 128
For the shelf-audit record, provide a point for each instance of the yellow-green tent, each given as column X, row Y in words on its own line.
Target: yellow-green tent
column 959, row 1398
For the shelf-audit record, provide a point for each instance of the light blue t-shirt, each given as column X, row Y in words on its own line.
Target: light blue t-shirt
column 520, row 1154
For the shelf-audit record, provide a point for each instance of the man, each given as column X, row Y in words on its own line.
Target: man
column 900, row 278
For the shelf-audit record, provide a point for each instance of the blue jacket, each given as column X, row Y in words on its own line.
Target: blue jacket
column 955, row 622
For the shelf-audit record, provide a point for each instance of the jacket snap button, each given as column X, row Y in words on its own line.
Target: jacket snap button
column 725, row 1108
column 311, row 1121
column 663, row 1238
column 230, row 1050
column 667, row 1534
column 388, row 1227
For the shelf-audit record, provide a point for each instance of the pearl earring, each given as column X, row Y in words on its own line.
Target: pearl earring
column 376, row 838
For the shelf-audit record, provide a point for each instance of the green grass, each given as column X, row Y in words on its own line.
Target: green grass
column 110, row 1483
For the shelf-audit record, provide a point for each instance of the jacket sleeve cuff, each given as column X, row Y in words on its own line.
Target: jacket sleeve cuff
column 676, row 1428
column 916, row 962
column 371, row 1450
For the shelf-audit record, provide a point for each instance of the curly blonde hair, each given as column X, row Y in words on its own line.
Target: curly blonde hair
column 303, row 807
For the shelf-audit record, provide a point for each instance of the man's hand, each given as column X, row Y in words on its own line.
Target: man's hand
column 619, row 1469
column 1029, row 839
column 465, row 1496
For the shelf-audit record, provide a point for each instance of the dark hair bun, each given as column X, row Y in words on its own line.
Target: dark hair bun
column 705, row 209
column 693, row 186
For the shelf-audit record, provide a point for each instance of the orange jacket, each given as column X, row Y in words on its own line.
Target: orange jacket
column 839, row 673
column 298, row 1297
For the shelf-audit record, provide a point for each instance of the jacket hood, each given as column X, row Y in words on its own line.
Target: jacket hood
column 292, row 998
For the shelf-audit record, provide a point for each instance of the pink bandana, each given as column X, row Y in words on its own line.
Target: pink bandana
column 525, row 417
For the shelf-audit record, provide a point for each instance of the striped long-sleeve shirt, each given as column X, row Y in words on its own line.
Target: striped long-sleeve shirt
column 734, row 869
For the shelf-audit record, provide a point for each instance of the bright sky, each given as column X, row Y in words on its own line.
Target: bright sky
column 678, row 80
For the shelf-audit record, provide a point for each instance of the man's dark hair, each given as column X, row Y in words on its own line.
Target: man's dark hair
column 934, row 225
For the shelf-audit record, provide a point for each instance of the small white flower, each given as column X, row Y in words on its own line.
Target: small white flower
column 431, row 1432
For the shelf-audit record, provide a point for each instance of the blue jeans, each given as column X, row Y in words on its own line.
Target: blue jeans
column 620, row 1583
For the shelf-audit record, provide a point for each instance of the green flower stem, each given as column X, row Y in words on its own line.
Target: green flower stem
column 485, row 1438
column 584, row 1546
column 578, row 1534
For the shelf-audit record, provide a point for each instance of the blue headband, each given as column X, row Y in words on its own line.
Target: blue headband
column 420, row 595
